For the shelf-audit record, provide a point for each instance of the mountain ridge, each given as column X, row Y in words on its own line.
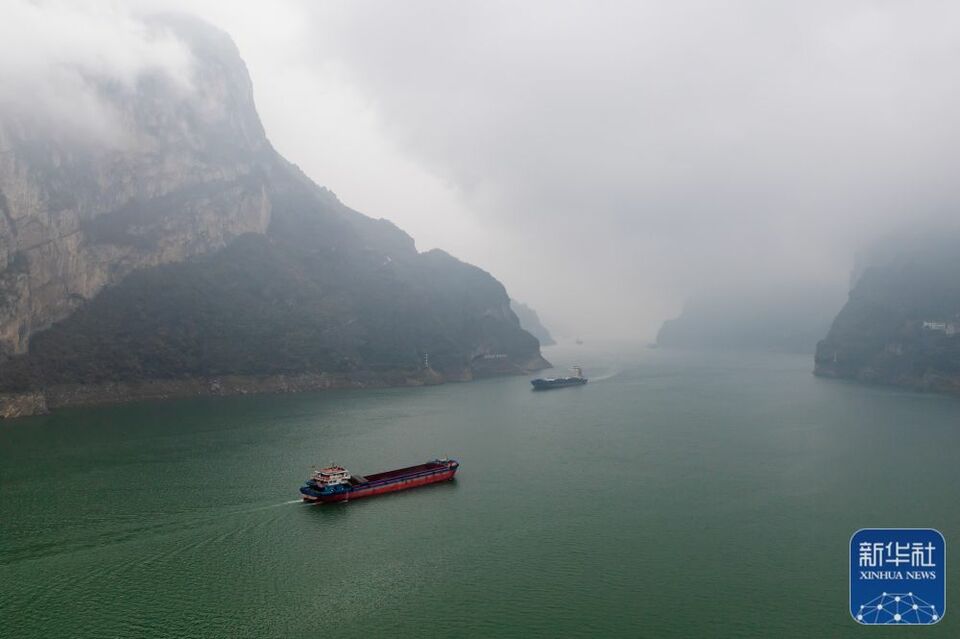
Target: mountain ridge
column 205, row 255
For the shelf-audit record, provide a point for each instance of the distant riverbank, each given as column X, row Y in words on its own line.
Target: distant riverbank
column 40, row 402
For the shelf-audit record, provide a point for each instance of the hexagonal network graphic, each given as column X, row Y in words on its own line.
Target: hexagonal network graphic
column 897, row 608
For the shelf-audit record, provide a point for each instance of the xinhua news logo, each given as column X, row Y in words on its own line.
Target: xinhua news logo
column 897, row 576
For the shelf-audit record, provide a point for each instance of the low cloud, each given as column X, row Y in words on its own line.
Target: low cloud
column 635, row 154
column 58, row 60
column 607, row 160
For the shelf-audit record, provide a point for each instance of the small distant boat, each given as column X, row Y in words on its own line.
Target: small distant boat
column 579, row 342
column 560, row 382
column 335, row 483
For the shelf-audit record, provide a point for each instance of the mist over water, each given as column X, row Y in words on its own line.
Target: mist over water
column 732, row 166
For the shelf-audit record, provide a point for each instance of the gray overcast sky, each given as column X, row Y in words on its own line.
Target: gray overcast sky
column 607, row 160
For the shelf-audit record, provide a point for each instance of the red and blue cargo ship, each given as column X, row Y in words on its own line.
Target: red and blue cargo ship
column 335, row 483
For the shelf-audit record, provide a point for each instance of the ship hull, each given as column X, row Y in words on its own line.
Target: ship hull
column 392, row 484
column 539, row 385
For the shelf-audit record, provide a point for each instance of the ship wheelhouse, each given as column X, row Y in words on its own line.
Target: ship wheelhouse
column 331, row 476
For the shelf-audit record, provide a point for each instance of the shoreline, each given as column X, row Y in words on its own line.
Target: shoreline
column 43, row 401
column 933, row 383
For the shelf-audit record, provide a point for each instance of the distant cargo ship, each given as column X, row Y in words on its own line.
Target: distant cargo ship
column 335, row 483
column 560, row 382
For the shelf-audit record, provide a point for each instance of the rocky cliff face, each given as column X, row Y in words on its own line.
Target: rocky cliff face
column 180, row 175
column 185, row 248
column 901, row 324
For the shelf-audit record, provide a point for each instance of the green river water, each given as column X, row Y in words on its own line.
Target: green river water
column 676, row 495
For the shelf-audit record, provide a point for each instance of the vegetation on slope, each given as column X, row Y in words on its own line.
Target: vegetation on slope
column 901, row 324
column 326, row 289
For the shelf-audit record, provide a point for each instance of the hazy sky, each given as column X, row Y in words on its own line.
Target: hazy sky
column 605, row 160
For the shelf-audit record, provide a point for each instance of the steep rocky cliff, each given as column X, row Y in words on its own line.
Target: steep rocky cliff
column 901, row 324
column 181, row 173
column 185, row 248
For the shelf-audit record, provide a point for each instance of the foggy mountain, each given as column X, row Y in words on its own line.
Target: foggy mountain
column 610, row 161
column 165, row 248
column 719, row 165
column 901, row 324
column 249, row 249
column 791, row 318
column 530, row 321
